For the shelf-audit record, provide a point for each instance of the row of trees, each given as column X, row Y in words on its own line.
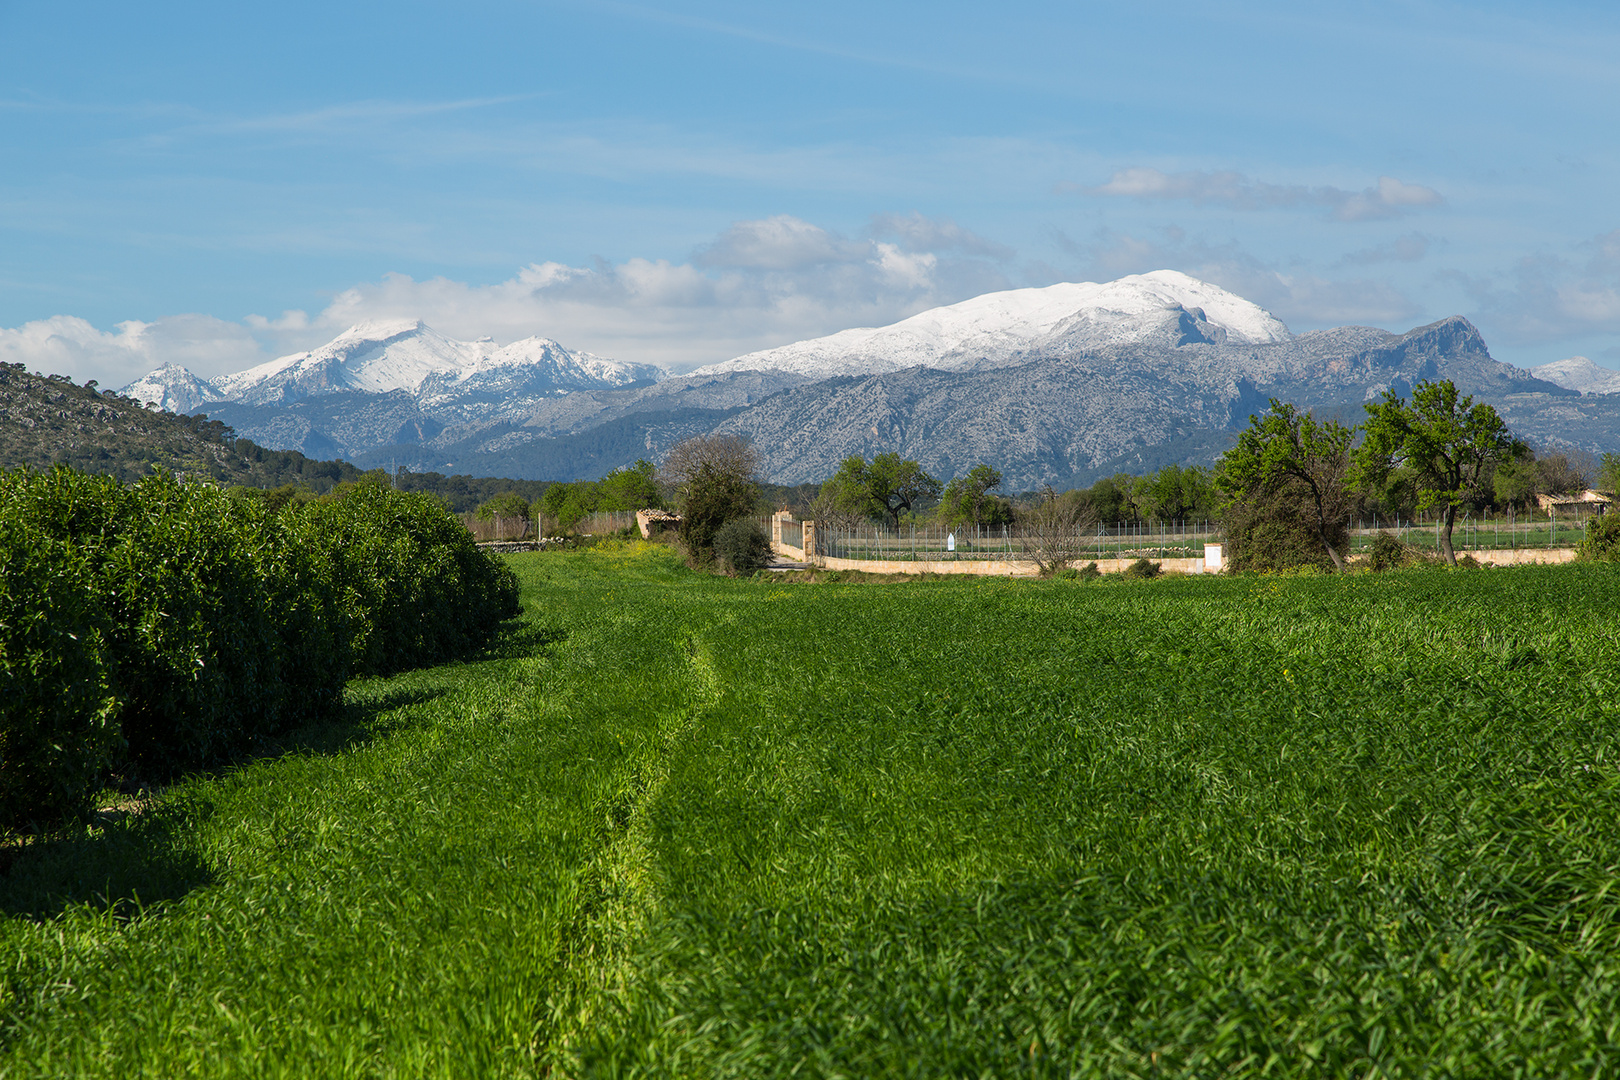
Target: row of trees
column 1285, row 493
column 1290, row 482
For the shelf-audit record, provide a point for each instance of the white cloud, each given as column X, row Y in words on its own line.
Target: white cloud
column 782, row 242
column 1388, row 199
column 915, row 232
column 758, row 284
column 66, row 345
column 1299, row 298
column 1413, row 247
column 1554, row 296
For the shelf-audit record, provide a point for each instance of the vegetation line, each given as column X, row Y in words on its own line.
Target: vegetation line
column 620, row 889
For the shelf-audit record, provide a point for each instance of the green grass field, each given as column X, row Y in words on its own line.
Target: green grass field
column 676, row 825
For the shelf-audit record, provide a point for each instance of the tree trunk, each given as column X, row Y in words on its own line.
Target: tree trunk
column 1447, row 521
column 1338, row 560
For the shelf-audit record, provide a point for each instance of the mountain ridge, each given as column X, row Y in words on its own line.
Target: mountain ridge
column 1138, row 371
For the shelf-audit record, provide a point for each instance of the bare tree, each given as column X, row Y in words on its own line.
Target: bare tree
column 724, row 455
column 715, row 479
column 1056, row 530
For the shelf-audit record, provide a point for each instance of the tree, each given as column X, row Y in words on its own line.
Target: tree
column 1175, row 493
column 1609, row 473
column 1288, row 467
column 967, row 499
column 1448, row 442
column 715, row 480
column 566, row 504
column 1056, row 530
column 888, row 486
column 631, row 487
column 508, row 504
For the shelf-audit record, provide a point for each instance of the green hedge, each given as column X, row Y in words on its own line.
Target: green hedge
column 413, row 582
column 169, row 627
column 58, row 712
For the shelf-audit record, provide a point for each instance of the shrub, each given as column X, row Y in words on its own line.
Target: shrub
column 1141, row 568
column 713, row 498
column 742, row 546
column 1090, row 571
column 508, row 504
column 205, row 623
column 58, row 710
column 1275, row 532
column 409, row 578
column 1388, row 553
column 1602, row 540
column 191, row 583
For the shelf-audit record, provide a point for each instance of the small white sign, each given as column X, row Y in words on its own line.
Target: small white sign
column 950, row 542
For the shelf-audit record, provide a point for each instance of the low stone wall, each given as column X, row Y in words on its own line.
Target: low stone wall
column 990, row 567
column 1522, row 556
column 1025, row 568
column 1020, row 568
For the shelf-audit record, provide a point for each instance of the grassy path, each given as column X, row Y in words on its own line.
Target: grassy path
column 688, row 826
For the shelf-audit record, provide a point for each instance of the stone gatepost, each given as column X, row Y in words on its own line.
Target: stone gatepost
column 809, row 541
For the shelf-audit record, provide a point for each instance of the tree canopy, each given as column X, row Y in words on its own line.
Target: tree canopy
column 1287, row 471
column 967, row 499
column 1448, row 444
column 715, row 480
column 889, row 486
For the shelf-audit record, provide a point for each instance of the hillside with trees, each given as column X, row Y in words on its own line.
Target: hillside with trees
column 50, row 420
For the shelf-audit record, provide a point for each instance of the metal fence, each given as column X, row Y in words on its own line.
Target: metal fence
column 598, row 522
column 934, row 543
column 498, row 527
column 1505, row 532
column 1158, row 539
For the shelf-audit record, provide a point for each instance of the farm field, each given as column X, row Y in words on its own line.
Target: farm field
column 675, row 825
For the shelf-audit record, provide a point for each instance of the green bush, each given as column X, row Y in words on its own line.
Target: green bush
column 1275, row 533
column 207, row 624
column 742, row 546
column 508, row 504
column 58, row 711
column 715, row 497
column 190, row 582
column 1388, row 553
column 409, row 578
column 1602, row 540
column 1141, row 568
column 1090, row 571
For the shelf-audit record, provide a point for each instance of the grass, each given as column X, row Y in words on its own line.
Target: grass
column 679, row 825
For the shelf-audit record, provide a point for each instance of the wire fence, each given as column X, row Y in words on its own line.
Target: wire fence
column 498, row 527
column 936, row 543
column 1163, row 539
column 1505, row 532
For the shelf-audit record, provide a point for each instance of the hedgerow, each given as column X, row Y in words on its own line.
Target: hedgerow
column 413, row 584
column 58, row 712
column 207, row 625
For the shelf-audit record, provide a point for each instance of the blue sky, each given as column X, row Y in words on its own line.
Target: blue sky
column 682, row 182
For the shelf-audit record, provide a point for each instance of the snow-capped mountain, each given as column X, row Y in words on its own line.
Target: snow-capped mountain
column 1579, row 373
column 173, row 388
column 401, row 355
column 1000, row 328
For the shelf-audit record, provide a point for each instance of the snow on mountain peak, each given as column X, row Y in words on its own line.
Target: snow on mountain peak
column 995, row 327
column 388, row 355
column 1579, row 373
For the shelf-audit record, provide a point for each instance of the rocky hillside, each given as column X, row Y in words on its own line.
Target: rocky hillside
column 48, row 419
column 1051, row 386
